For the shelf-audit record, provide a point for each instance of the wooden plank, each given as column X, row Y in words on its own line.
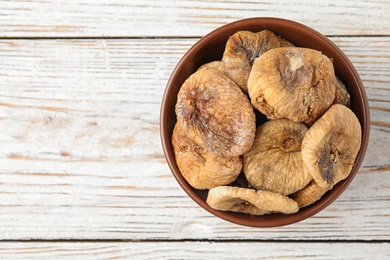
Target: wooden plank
column 91, row 18
column 79, row 207
column 82, row 159
column 194, row 250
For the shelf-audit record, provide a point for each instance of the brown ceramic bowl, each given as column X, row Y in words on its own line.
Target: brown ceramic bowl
column 210, row 48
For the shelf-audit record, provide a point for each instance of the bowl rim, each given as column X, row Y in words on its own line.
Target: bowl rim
column 272, row 219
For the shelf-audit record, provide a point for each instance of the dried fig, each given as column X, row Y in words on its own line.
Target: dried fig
column 243, row 48
column 341, row 96
column 216, row 113
column 249, row 201
column 202, row 169
column 330, row 146
column 294, row 83
column 310, row 194
column 274, row 162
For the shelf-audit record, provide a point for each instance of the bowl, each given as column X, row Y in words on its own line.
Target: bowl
column 210, row 48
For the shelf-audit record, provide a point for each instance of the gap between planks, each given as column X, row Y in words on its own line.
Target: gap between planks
column 222, row 241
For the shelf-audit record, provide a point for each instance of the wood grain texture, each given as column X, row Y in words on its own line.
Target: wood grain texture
column 81, row 155
column 194, row 250
column 91, row 18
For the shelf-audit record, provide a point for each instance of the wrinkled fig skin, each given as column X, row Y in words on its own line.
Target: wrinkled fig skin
column 218, row 65
column 330, row 146
column 294, row 83
column 250, row 201
column 243, row 48
column 274, row 162
column 341, row 96
column 200, row 168
column 216, row 113
column 310, row 194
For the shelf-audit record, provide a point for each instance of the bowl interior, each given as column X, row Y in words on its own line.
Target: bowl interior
column 210, row 48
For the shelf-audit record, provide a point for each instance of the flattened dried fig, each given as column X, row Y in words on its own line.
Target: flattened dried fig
column 216, row 113
column 330, row 146
column 218, row 65
column 243, row 48
column 249, row 201
column 274, row 162
column 202, row 169
column 342, row 96
column 294, row 83
column 310, row 194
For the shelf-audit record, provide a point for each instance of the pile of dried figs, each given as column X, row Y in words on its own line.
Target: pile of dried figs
column 308, row 144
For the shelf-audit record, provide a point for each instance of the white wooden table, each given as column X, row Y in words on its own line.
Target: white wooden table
column 82, row 172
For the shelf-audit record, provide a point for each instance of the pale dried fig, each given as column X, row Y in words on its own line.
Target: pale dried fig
column 249, row 201
column 274, row 162
column 341, row 96
column 216, row 113
column 202, row 169
column 294, row 83
column 243, row 48
column 330, row 146
column 310, row 194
